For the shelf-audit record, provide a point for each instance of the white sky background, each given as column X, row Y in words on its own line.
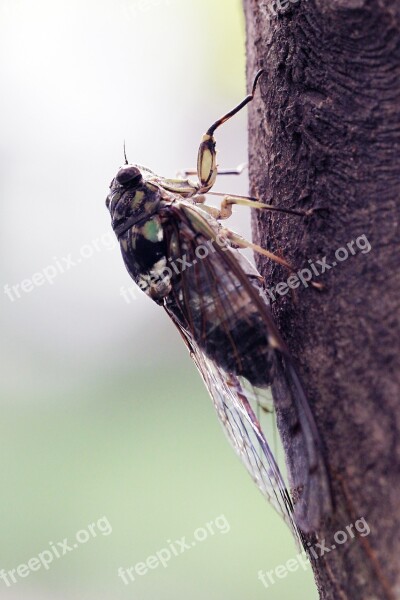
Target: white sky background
column 78, row 78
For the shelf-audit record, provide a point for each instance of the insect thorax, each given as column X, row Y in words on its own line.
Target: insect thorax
column 135, row 220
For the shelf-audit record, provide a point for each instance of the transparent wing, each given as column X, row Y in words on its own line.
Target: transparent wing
column 234, row 398
column 226, row 323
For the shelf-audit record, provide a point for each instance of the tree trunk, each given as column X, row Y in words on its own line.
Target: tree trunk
column 325, row 133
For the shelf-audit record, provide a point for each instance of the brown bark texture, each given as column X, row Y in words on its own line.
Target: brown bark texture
column 324, row 133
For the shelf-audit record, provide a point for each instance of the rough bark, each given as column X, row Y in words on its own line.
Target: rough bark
column 325, row 133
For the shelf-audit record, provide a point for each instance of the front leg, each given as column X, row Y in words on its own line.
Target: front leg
column 207, row 155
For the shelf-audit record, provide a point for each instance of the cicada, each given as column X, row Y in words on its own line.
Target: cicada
column 179, row 254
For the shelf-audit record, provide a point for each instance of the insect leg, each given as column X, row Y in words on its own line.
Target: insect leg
column 211, row 210
column 240, row 242
column 234, row 171
column 231, row 199
column 207, row 155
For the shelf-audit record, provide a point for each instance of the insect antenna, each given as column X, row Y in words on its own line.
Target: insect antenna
column 126, row 160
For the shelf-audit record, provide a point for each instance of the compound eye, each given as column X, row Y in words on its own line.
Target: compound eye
column 129, row 176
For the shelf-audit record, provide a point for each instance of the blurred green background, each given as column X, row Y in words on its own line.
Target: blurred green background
column 103, row 413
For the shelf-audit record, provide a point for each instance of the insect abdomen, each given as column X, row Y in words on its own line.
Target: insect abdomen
column 224, row 320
